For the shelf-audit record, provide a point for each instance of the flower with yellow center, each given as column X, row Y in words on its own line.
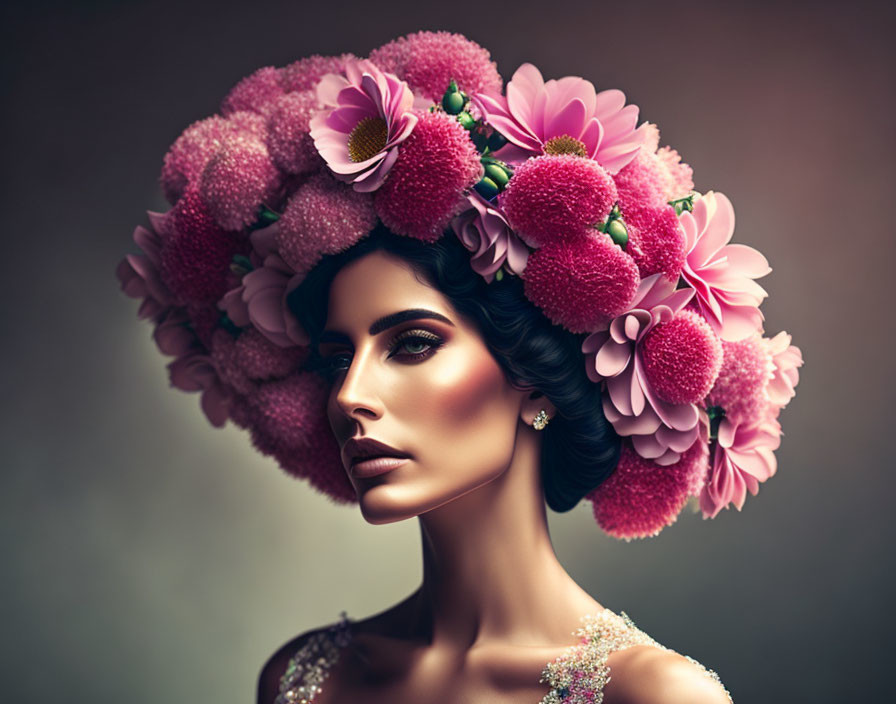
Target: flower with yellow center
column 564, row 144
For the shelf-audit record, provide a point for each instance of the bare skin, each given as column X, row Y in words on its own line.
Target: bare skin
column 495, row 604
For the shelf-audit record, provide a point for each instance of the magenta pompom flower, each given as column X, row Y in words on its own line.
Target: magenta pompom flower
column 369, row 115
column 654, row 177
column 722, row 274
column 287, row 419
column 583, row 284
column 187, row 157
column 641, row 497
column 682, row 358
column 484, row 230
column 324, row 216
column 435, row 169
column 660, row 430
column 656, row 240
column 256, row 92
column 563, row 116
column 557, row 199
column 742, row 387
column 237, row 181
column 743, row 457
column 288, row 138
column 306, row 73
column 429, row 61
column 196, row 257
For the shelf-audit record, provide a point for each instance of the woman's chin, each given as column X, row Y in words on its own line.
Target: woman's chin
column 387, row 504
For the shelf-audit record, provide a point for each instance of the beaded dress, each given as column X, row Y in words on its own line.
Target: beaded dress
column 576, row 677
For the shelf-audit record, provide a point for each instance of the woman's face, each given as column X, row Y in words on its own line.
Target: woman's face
column 409, row 372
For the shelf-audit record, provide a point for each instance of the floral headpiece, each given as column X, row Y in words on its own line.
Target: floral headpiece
column 550, row 181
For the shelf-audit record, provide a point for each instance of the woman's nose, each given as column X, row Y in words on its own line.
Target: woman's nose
column 357, row 396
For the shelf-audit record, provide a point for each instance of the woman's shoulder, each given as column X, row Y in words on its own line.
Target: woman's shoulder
column 302, row 660
column 626, row 666
column 647, row 674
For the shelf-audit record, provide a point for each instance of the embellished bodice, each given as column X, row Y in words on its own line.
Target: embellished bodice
column 577, row 676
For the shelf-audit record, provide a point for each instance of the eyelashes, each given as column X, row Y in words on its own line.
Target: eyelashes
column 409, row 346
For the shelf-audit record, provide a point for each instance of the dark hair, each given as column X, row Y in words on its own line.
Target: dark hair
column 580, row 448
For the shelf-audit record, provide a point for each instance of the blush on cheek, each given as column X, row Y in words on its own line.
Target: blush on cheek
column 466, row 386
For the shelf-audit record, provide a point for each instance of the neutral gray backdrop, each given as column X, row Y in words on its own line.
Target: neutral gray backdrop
column 148, row 557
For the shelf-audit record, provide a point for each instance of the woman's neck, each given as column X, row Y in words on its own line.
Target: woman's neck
column 490, row 573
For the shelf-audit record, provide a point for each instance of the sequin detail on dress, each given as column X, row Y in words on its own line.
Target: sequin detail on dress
column 580, row 675
column 311, row 664
column 576, row 677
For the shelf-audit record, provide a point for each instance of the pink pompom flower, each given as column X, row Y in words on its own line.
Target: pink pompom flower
column 641, row 497
column 563, row 116
column 660, row 431
column 484, row 230
column 369, row 116
column 554, row 199
column 743, row 457
column 238, row 180
column 722, row 274
column 429, row 61
column 437, row 167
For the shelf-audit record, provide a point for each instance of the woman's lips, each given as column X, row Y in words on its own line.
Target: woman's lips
column 373, row 466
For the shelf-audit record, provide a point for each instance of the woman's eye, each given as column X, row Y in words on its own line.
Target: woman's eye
column 414, row 345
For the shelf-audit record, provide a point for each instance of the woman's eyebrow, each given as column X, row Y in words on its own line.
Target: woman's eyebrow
column 388, row 321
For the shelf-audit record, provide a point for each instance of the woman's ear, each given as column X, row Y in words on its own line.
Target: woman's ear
column 534, row 402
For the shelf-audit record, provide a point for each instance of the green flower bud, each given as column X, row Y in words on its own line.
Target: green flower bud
column 487, row 188
column 497, row 174
column 616, row 230
column 240, row 265
column 453, row 103
column 479, row 141
column 466, row 120
column 496, row 141
column 266, row 217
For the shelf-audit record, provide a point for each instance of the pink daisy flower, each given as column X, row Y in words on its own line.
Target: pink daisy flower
column 564, row 116
column 722, row 274
column 743, row 457
column 484, row 230
column 787, row 359
column 369, row 115
column 660, row 430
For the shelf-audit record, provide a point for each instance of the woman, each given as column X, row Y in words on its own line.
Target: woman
column 315, row 282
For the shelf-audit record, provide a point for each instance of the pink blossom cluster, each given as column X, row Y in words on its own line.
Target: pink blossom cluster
column 551, row 181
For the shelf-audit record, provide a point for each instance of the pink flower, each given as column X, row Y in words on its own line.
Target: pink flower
column 722, row 274
column 261, row 298
column 742, row 458
column 563, row 116
column 429, row 61
column 660, row 431
column 369, row 116
column 139, row 274
column 484, row 230
column 195, row 371
column 787, row 359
